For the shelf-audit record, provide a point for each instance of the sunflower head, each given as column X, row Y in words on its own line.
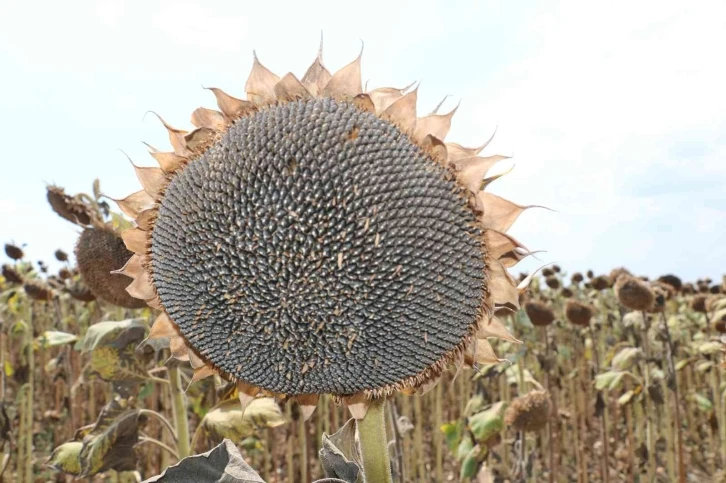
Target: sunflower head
column 99, row 251
column 38, row 290
column 539, row 313
column 578, row 313
column 14, row 251
column 634, row 293
column 529, row 413
column 329, row 229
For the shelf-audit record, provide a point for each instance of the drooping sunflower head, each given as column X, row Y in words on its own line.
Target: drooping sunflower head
column 315, row 238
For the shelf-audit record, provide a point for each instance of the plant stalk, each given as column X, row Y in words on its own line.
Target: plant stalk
column 179, row 409
column 374, row 443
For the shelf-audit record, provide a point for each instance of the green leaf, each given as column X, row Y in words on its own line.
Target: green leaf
column 626, row 358
column 114, row 364
column 9, row 371
column 704, row 403
column 465, row 446
column 488, row 423
column 474, row 405
column 228, row 421
column 470, row 463
column 112, row 333
column 608, row 380
column 224, row 463
column 65, row 458
column 52, row 338
column 452, row 433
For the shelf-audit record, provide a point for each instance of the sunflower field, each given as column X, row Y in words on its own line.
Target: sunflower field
column 314, row 285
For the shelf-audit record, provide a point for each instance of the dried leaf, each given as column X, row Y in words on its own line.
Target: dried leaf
column 222, row 464
column 339, row 455
column 228, row 420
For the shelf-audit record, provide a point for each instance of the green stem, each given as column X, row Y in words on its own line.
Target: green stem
column 179, row 409
column 374, row 444
column 29, row 410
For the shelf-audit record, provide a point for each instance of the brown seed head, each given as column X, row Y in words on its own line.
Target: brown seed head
column 547, row 272
column 539, row 313
column 577, row 278
column 80, row 292
column 634, row 294
column 38, row 290
column 68, row 207
column 14, row 252
column 530, row 412
column 100, row 251
column 552, row 282
column 61, row 256
column 11, row 275
column 671, row 280
column 698, row 303
column 715, row 289
column 590, row 274
column 688, row 289
column 566, row 292
column 600, row 282
column 578, row 313
column 64, row 274
column 556, row 268
column 616, row 273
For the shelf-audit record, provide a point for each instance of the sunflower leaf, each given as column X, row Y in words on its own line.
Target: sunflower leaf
column 65, row 458
column 228, row 421
column 339, row 454
column 222, row 464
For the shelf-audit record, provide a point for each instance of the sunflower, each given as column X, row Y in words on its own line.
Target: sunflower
column 314, row 238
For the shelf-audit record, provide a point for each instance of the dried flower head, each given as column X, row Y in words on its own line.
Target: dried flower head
column 14, row 251
column 634, row 294
column 566, row 292
column 556, row 268
column 600, row 282
column 68, row 207
column 529, row 413
column 64, row 274
column 698, row 303
column 688, row 289
column 38, row 290
column 80, row 292
column 578, row 313
column 590, row 274
column 577, row 278
column 552, row 282
column 547, row 272
column 301, row 241
column 11, row 275
column 539, row 313
column 61, row 256
column 671, row 280
column 617, row 273
column 100, row 251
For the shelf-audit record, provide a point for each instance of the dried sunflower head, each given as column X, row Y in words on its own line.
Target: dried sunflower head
column 38, row 290
column 99, row 251
column 539, row 313
column 69, row 207
column 577, row 278
column 315, row 238
column 79, row 291
column 698, row 303
column 671, row 280
column 601, row 282
column 578, row 313
column 552, row 282
column 11, row 275
column 530, row 412
column 61, row 256
column 14, row 251
column 634, row 294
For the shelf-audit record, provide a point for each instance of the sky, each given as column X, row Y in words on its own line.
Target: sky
column 614, row 113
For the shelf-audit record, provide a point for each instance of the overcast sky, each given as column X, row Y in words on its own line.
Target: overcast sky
column 615, row 112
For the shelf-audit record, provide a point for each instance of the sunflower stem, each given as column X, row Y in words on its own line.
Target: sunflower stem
column 179, row 409
column 374, row 443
